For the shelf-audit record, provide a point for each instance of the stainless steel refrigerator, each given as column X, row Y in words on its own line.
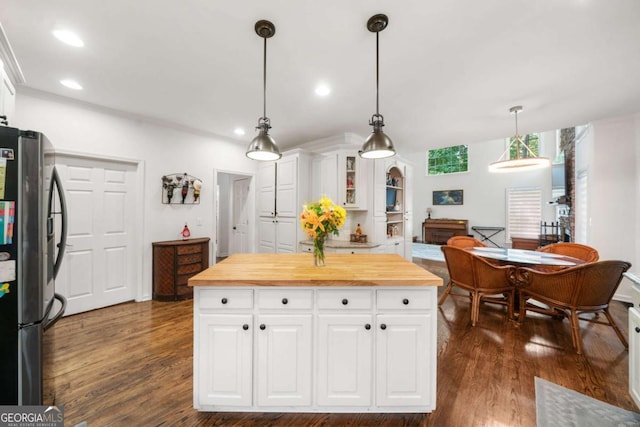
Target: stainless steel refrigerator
column 32, row 242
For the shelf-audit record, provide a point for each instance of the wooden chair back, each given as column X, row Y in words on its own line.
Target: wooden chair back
column 465, row 242
column 575, row 250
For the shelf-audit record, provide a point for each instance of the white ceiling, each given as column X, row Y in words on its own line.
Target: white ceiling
column 449, row 69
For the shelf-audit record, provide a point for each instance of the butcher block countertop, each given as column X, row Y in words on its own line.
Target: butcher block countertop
column 298, row 270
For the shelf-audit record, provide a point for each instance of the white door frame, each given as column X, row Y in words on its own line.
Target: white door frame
column 141, row 294
column 251, row 216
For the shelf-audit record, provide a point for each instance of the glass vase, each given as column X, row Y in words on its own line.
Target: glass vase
column 318, row 251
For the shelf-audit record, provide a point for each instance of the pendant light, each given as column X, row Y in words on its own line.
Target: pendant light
column 264, row 147
column 530, row 162
column 377, row 145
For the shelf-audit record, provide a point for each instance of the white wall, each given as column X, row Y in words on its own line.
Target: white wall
column 79, row 127
column 612, row 158
column 484, row 193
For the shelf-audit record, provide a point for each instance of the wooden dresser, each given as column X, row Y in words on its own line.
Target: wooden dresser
column 174, row 262
column 438, row 231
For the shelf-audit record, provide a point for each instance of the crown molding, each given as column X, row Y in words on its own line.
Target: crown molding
column 9, row 60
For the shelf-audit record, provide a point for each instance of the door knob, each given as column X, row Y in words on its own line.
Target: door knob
column 223, row 300
column 245, row 326
column 637, row 330
column 285, row 301
column 263, row 327
column 345, row 301
column 383, row 326
column 405, row 301
column 367, row 326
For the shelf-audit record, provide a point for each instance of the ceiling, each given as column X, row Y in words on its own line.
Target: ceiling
column 449, row 69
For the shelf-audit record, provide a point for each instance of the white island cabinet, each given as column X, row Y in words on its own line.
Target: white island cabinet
column 273, row 333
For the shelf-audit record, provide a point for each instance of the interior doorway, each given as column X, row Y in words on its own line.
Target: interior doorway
column 234, row 214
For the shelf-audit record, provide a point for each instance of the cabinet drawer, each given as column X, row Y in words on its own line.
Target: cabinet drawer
column 190, row 259
column 409, row 299
column 226, row 298
column 336, row 299
column 189, row 249
column 189, row 269
column 285, row 298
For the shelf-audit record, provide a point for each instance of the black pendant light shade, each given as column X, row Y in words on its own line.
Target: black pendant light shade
column 377, row 145
column 264, row 147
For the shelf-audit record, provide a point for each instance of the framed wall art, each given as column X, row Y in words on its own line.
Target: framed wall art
column 448, row 197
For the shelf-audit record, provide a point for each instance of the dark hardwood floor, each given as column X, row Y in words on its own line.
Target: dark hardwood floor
column 131, row 365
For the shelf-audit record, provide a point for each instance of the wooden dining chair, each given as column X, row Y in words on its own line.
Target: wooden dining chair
column 571, row 292
column 575, row 250
column 485, row 282
column 465, row 242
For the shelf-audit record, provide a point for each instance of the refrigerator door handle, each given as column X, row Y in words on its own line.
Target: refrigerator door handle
column 55, row 178
column 50, row 322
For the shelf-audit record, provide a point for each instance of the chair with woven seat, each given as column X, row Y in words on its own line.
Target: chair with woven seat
column 586, row 288
column 465, row 242
column 575, row 250
column 485, row 282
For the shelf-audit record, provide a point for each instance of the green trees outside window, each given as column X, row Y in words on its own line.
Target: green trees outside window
column 448, row 160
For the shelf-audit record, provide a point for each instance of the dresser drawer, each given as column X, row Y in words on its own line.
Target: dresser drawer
column 189, row 269
column 189, row 249
column 341, row 299
column 406, row 299
column 226, row 298
column 285, row 298
column 190, row 259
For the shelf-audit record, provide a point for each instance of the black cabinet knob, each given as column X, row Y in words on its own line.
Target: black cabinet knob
column 345, row 301
column 262, row 327
column 405, row 301
column 367, row 326
column 223, row 300
column 637, row 330
column 285, row 301
column 245, row 326
column 383, row 326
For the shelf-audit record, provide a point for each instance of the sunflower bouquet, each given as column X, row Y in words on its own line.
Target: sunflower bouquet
column 319, row 220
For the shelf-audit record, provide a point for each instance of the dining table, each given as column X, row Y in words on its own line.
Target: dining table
column 525, row 258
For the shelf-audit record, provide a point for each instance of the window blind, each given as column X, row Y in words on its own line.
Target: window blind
column 524, row 212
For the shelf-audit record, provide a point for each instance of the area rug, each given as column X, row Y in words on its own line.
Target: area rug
column 424, row 251
column 557, row 406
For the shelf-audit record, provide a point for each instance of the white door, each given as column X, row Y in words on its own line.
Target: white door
column 240, row 217
column 286, row 184
column 403, row 360
column 100, row 264
column 345, row 346
column 284, row 360
column 225, row 361
column 634, row 354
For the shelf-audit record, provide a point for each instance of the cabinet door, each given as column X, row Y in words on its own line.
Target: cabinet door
column 379, row 188
column 7, row 96
column 352, row 188
column 284, row 360
column 286, row 234
column 405, row 360
column 286, row 187
column 225, row 359
column 345, row 349
column 266, row 189
column 266, row 235
column 328, row 178
column 634, row 355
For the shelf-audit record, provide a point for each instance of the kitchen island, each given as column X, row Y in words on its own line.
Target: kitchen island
column 273, row 333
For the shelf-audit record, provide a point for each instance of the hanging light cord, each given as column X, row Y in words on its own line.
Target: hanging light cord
column 377, row 74
column 264, row 81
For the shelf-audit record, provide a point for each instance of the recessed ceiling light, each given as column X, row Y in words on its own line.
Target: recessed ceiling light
column 71, row 84
column 323, row 90
column 238, row 131
column 68, row 37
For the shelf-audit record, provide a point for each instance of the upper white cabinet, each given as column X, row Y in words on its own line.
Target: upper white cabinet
column 341, row 176
column 282, row 188
column 7, row 99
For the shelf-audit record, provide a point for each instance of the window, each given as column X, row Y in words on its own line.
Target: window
column 448, row 160
column 524, row 212
column 531, row 140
